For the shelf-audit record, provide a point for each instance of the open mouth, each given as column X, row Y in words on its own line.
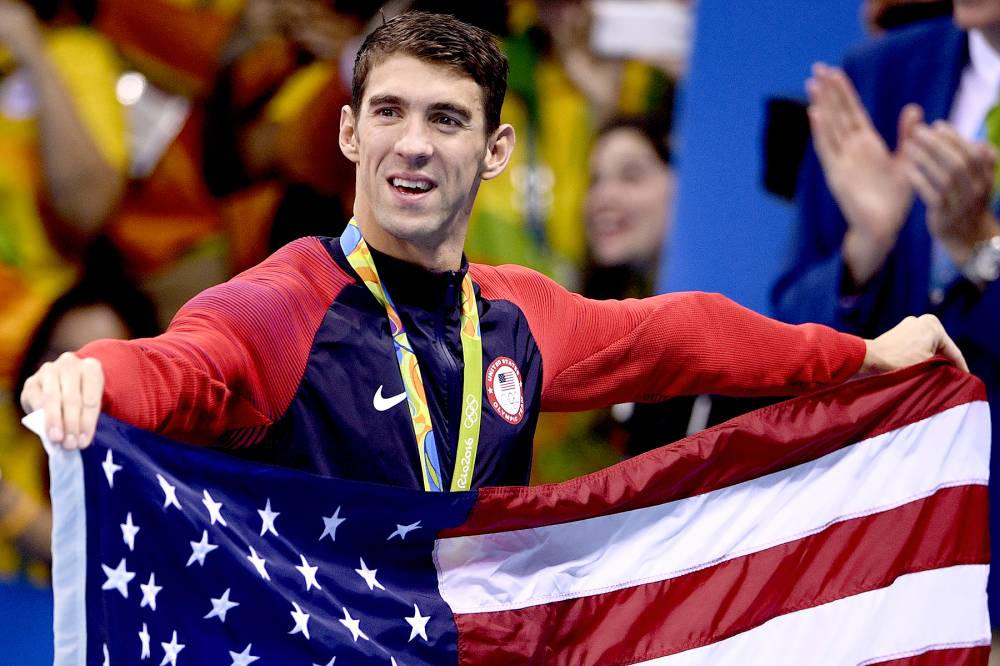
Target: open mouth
column 411, row 186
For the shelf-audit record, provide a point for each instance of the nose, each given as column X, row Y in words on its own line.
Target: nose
column 414, row 142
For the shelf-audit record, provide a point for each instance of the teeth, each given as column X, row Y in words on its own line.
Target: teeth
column 412, row 184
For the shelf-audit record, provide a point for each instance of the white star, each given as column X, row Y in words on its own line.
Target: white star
column 418, row 624
column 110, row 468
column 242, row 658
column 144, row 637
column 214, row 510
column 309, row 573
column 118, row 578
column 221, row 606
column 171, row 650
column 199, row 549
column 353, row 625
column 329, row 663
column 258, row 562
column 268, row 516
column 169, row 493
column 301, row 621
column 369, row 576
column 129, row 530
column 331, row 524
column 107, row 657
column 149, row 592
column 403, row 530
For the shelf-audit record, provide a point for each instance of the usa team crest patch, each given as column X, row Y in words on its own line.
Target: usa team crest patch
column 505, row 390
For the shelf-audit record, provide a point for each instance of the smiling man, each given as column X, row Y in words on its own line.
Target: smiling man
column 384, row 356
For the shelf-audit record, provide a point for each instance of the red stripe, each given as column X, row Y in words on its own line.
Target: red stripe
column 709, row 605
column 762, row 442
column 978, row 656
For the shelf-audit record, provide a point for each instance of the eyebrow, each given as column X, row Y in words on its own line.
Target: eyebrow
column 393, row 100
column 461, row 111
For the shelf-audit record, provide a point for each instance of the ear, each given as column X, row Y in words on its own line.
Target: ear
column 499, row 148
column 348, row 134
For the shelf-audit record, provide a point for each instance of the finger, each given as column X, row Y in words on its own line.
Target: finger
column 985, row 162
column 69, row 387
column 824, row 140
column 847, row 95
column 919, row 152
column 909, row 118
column 51, row 403
column 31, row 394
column 832, row 103
column 955, row 153
column 944, row 345
column 92, row 391
column 926, row 190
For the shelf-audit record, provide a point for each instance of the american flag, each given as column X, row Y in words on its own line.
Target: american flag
column 846, row 527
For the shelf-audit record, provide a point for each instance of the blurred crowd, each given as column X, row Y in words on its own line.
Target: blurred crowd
column 151, row 149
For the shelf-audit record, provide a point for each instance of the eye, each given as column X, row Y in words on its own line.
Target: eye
column 446, row 120
column 386, row 112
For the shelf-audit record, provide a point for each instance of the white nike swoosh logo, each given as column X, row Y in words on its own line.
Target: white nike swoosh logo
column 382, row 404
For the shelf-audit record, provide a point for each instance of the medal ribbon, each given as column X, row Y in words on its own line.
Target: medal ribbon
column 359, row 256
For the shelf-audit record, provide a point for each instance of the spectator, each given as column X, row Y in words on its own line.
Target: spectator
column 62, row 158
column 177, row 238
column 275, row 109
column 560, row 91
column 103, row 304
column 895, row 202
column 882, row 15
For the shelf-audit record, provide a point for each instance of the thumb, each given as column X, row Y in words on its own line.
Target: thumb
column 911, row 116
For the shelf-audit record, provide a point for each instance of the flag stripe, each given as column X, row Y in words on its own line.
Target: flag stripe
column 928, row 610
column 69, row 539
column 765, row 441
column 502, row 571
column 944, row 657
column 711, row 604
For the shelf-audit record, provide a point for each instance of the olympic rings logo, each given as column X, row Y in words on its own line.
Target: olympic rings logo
column 471, row 411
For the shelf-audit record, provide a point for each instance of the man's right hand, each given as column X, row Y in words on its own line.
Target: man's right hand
column 868, row 181
column 69, row 389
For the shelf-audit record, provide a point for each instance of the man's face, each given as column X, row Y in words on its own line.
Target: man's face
column 420, row 144
column 977, row 14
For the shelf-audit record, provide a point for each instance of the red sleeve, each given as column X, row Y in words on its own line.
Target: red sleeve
column 231, row 360
column 596, row 353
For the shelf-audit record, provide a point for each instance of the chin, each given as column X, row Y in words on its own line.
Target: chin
column 981, row 15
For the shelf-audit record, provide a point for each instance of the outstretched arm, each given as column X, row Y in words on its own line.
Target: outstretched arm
column 596, row 353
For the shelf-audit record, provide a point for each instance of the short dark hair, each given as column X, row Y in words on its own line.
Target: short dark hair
column 441, row 39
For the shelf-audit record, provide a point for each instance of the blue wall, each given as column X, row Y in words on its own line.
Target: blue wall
column 730, row 236
column 25, row 624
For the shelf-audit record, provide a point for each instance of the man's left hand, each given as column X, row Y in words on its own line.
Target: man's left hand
column 913, row 340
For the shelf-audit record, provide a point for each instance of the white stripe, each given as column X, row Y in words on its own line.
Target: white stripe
column 534, row 566
column 69, row 548
column 930, row 610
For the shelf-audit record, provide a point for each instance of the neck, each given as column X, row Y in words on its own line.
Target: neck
column 433, row 255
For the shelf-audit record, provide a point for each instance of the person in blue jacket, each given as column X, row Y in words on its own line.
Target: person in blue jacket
column 897, row 198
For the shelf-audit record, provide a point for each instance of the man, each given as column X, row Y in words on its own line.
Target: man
column 895, row 203
column 306, row 360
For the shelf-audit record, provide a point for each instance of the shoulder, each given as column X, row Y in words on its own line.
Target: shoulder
column 300, row 276
column 510, row 281
column 923, row 40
